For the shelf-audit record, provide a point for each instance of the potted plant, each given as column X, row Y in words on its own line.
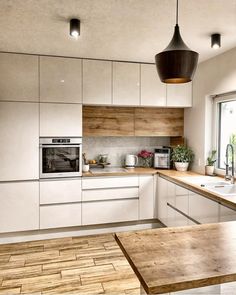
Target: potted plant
column 209, row 168
column 182, row 156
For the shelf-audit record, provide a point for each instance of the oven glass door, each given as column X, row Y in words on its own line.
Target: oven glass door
column 60, row 161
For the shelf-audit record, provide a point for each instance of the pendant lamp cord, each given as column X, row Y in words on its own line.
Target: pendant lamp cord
column 177, row 11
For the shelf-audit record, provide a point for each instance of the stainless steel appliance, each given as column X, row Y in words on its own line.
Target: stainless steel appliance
column 162, row 157
column 60, row 157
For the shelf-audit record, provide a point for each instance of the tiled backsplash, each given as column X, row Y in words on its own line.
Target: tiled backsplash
column 118, row 147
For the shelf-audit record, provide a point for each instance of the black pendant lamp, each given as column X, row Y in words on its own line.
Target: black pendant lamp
column 177, row 63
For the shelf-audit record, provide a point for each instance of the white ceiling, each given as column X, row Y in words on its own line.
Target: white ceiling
column 132, row 30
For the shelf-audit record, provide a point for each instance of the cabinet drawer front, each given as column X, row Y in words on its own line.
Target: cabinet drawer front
column 227, row 214
column 180, row 191
column 181, row 203
column 110, row 182
column 60, row 191
column 110, row 194
column 109, row 211
column 60, row 215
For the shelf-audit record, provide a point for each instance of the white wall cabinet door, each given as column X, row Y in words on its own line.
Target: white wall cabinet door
column 162, row 199
column 60, row 119
column 62, row 215
column 202, row 209
column 60, row 191
column 126, row 83
column 153, row 91
column 19, row 141
column 19, row 210
column 146, row 197
column 227, row 214
column 19, row 77
column 179, row 95
column 109, row 211
column 97, row 82
column 60, row 79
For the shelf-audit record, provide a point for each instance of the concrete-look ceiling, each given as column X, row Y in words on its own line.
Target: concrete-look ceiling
column 132, row 30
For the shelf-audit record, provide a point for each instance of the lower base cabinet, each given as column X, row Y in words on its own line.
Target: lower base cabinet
column 19, row 210
column 110, row 211
column 62, row 215
column 209, row 290
column 227, row 214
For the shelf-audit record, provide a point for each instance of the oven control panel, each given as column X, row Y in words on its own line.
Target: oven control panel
column 61, row 140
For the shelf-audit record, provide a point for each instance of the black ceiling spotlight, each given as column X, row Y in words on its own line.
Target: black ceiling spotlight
column 215, row 41
column 74, row 27
column 176, row 63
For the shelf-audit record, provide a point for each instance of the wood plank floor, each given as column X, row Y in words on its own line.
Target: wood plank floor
column 76, row 265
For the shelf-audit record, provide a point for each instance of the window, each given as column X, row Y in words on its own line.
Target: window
column 225, row 114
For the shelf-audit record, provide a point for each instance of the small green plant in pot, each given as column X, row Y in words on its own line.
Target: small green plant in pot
column 209, row 168
column 182, row 156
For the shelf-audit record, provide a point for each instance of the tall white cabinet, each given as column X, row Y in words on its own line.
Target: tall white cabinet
column 60, row 79
column 97, row 82
column 179, row 95
column 126, row 83
column 19, row 77
column 19, row 141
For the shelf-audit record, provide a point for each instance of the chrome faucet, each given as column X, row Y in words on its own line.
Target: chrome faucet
column 227, row 176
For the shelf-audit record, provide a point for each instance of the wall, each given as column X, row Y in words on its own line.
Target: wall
column 214, row 76
column 118, row 147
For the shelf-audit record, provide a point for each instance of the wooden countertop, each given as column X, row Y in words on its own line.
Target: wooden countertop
column 191, row 180
column 175, row 259
column 130, row 171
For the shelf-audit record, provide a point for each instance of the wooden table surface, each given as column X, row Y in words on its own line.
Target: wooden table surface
column 175, row 259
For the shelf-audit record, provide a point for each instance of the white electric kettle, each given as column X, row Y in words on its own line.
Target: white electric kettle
column 131, row 161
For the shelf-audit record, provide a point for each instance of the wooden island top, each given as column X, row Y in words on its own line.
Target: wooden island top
column 174, row 259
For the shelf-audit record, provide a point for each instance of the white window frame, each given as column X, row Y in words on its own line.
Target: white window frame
column 215, row 124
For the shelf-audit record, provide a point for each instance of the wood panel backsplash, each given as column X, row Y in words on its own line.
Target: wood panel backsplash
column 131, row 121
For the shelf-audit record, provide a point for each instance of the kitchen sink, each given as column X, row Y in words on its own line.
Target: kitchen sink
column 225, row 190
column 216, row 184
column 108, row 170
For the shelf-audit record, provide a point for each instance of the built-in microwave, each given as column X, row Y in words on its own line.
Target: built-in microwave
column 60, row 157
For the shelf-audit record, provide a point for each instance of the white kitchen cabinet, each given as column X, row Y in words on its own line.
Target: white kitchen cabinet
column 203, row 209
column 19, row 210
column 60, row 191
column 110, row 211
column 227, row 214
column 110, row 194
column 171, row 213
column 181, row 199
column 19, row 141
column 179, row 95
column 61, row 215
column 19, row 77
column 171, row 193
column 60, row 119
column 146, row 197
column 209, row 290
column 97, row 82
column 162, row 199
column 153, row 91
column 126, row 83
column 60, row 79
column 109, row 182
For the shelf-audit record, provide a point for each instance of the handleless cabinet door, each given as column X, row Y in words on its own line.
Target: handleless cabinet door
column 162, row 199
column 19, row 77
column 97, row 82
column 179, row 95
column 227, row 214
column 60, row 119
column 19, row 210
column 126, row 83
column 153, row 91
column 146, row 197
column 19, row 141
column 60, row 79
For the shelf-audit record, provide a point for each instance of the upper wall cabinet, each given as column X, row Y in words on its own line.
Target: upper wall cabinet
column 179, row 95
column 60, row 79
column 126, row 83
column 19, row 77
column 153, row 91
column 19, row 141
column 97, row 82
column 57, row 119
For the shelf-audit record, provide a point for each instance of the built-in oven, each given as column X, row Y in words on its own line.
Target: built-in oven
column 60, row 157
